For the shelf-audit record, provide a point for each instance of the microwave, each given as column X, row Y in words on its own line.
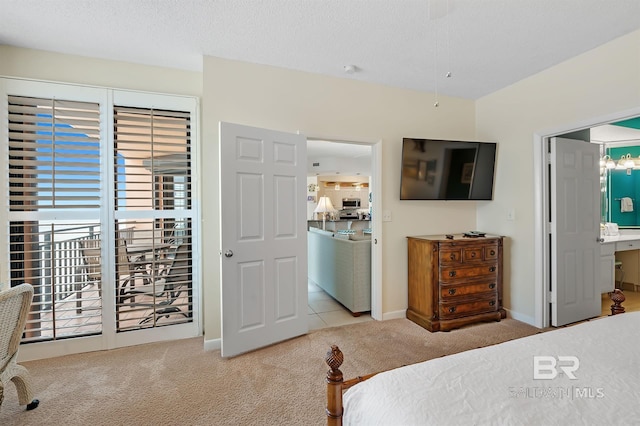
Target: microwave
column 351, row 203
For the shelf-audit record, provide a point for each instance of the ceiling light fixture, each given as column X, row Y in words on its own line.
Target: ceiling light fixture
column 350, row 69
column 436, row 11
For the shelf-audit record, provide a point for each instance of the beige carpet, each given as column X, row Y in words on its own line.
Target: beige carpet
column 178, row 383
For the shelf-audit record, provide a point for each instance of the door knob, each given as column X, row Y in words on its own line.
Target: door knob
column 228, row 253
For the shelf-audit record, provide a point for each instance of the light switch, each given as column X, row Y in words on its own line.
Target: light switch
column 386, row 215
column 511, row 214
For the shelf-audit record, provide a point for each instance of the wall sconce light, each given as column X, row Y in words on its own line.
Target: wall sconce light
column 607, row 162
column 626, row 162
column 337, row 187
column 358, row 187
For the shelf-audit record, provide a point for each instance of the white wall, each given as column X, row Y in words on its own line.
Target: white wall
column 41, row 65
column 604, row 82
column 319, row 106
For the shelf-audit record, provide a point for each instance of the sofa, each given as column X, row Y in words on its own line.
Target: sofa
column 341, row 266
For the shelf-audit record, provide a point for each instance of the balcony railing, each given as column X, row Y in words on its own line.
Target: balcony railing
column 64, row 262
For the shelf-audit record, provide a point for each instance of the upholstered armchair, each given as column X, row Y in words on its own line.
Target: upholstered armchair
column 14, row 310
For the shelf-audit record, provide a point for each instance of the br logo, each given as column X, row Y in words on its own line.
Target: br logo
column 546, row 367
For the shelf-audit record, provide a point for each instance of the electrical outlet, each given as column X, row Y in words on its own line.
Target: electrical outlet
column 386, row 216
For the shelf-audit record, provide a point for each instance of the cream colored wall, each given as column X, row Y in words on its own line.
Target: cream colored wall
column 599, row 83
column 49, row 66
column 290, row 101
column 319, row 106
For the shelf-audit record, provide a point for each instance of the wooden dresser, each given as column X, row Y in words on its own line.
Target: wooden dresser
column 454, row 282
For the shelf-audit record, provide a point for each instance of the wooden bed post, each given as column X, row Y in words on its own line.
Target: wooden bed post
column 334, row 360
column 617, row 297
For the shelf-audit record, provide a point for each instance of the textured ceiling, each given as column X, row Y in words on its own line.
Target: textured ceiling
column 485, row 44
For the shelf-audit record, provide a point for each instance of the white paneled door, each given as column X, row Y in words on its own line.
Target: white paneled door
column 575, row 225
column 264, row 237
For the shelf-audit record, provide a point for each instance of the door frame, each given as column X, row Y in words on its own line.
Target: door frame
column 542, row 230
column 376, row 214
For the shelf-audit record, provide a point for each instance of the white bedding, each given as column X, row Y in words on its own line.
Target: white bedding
column 495, row 384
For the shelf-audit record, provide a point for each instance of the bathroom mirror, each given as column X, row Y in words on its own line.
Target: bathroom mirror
column 619, row 171
column 622, row 186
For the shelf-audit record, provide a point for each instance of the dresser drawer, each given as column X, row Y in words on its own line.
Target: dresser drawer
column 472, row 254
column 468, row 254
column 450, row 292
column 450, row 256
column 628, row 245
column 491, row 252
column 454, row 309
column 454, row 273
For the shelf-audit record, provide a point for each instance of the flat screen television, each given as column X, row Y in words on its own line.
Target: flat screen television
column 434, row 169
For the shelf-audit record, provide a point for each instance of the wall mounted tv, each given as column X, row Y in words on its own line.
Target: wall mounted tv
column 435, row 169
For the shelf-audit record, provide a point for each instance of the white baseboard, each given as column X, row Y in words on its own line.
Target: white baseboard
column 212, row 345
column 394, row 315
column 521, row 317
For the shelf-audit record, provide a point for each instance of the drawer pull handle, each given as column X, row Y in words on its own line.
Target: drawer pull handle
column 452, row 273
column 473, row 254
column 492, row 269
column 492, row 302
column 452, row 309
column 452, row 256
column 452, row 291
column 492, row 285
column 492, row 252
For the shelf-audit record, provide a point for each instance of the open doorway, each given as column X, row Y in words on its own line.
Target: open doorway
column 604, row 133
column 340, row 212
column 620, row 194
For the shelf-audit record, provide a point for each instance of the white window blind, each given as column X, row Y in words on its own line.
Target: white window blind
column 152, row 162
column 54, row 154
column 153, row 159
column 54, row 169
column 99, row 213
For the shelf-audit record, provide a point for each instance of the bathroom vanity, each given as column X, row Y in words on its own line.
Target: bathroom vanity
column 626, row 248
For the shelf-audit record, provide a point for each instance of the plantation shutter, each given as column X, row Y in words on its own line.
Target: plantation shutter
column 54, row 210
column 152, row 191
column 54, row 154
column 98, row 184
column 152, row 143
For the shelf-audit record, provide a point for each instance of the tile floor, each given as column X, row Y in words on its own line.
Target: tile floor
column 324, row 311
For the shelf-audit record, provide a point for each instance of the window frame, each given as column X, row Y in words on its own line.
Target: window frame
column 107, row 98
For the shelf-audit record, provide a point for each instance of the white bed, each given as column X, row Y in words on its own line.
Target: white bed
column 496, row 385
